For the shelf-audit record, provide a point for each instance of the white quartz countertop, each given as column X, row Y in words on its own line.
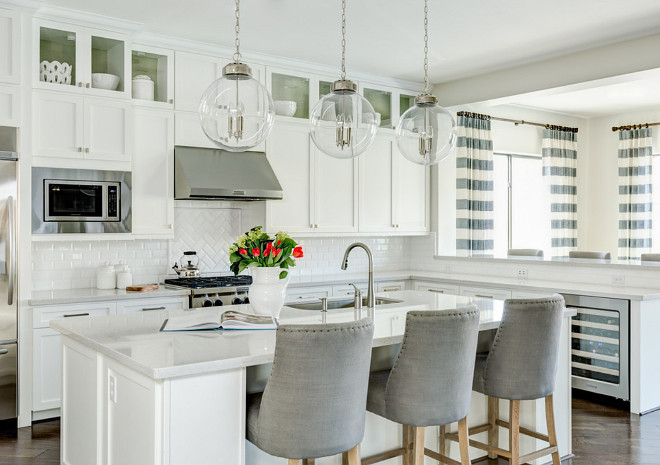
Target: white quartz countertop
column 136, row 341
column 70, row 296
column 532, row 285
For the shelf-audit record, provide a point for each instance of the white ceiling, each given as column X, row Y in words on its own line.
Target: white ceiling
column 623, row 94
column 467, row 37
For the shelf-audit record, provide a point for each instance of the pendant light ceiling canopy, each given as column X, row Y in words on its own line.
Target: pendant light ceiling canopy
column 344, row 123
column 426, row 132
column 236, row 111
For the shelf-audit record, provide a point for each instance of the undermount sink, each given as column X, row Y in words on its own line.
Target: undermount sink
column 343, row 303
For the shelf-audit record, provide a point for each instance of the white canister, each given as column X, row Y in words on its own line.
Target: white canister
column 105, row 277
column 124, row 279
column 143, row 87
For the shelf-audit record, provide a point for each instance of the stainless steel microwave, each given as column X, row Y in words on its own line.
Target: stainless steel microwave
column 80, row 201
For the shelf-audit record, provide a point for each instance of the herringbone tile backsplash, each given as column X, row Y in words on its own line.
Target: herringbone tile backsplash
column 208, row 228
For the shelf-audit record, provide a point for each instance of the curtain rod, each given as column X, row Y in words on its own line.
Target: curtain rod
column 516, row 121
column 633, row 126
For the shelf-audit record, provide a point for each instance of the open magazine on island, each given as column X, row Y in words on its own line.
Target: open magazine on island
column 215, row 320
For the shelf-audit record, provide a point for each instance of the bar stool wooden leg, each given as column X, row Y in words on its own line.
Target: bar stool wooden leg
column 353, row 456
column 309, row 461
column 294, row 462
column 418, row 445
column 493, row 432
column 550, row 421
column 442, row 439
column 514, row 431
column 407, row 443
column 463, row 441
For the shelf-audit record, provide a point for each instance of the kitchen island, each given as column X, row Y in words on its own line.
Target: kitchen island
column 134, row 395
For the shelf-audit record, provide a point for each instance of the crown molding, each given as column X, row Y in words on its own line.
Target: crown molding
column 87, row 19
column 24, row 5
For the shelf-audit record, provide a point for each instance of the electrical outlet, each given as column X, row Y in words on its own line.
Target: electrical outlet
column 521, row 273
column 619, row 280
column 112, row 389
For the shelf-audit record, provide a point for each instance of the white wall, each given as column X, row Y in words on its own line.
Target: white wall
column 507, row 138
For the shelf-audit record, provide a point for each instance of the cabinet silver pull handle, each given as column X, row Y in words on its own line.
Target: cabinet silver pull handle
column 484, row 296
column 148, row 309
column 171, row 100
column 88, row 85
column 79, row 149
column 72, row 315
column 80, row 84
column 439, row 291
column 86, row 149
column 390, row 289
column 4, row 351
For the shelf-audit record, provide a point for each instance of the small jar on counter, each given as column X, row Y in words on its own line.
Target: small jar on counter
column 106, row 277
column 124, row 275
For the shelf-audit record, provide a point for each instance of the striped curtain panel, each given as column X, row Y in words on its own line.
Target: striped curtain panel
column 474, row 186
column 635, row 187
column 559, row 152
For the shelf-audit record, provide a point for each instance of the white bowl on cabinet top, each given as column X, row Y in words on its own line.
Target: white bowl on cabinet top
column 285, row 107
column 104, row 81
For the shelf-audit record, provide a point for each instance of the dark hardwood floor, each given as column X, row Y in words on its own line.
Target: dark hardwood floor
column 602, row 435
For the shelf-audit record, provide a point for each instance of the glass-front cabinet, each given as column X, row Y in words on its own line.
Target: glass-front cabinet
column 291, row 93
column 381, row 98
column 406, row 101
column 152, row 77
column 78, row 59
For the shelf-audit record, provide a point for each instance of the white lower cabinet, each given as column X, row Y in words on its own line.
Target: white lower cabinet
column 314, row 292
column 440, row 288
column 529, row 294
column 151, row 305
column 153, row 173
column 46, row 369
column 390, row 286
column 485, row 292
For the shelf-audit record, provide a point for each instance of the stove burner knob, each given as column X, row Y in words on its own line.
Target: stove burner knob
column 236, row 301
column 218, row 303
column 207, row 303
column 246, row 300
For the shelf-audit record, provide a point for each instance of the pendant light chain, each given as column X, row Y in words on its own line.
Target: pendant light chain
column 237, row 29
column 343, row 40
column 426, row 46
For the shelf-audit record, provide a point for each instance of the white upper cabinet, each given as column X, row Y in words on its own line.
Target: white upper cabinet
column 73, row 58
column 382, row 99
column 10, row 46
column 157, row 65
column 10, row 96
column 411, row 194
column 193, row 74
column 335, row 186
column 153, row 166
column 289, row 153
column 376, row 210
column 82, row 128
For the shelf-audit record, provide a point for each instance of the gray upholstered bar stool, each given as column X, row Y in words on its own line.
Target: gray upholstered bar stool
column 314, row 401
column 525, row 253
column 521, row 365
column 588, row 254
column 429, row 384
column 651, row 257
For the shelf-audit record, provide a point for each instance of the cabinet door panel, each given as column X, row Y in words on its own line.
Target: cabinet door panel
column 376, row 187
column 46, row 369
column 153, row 160
column 411, row 198
column 107, row 129
column 58, row 125
column 10, row 105
column 10, row 46
column 485, row 292
column 289, row 154
column 193, row 74
column 335, row 192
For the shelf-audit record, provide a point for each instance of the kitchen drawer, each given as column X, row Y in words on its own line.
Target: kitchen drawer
column 440, row 288
column 308, row 293
column 485, row 292
column 153, row 304
column 43, row 314
column 390, row 286
column 529, row 294
column 345, row 289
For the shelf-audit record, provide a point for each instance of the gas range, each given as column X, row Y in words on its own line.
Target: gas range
column 215, row 291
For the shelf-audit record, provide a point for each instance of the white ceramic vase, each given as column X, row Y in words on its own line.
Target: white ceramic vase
column 267, row 291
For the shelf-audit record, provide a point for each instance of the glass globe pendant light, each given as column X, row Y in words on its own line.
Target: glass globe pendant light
column 344, row 123
column 426, row 132
column 236, row 111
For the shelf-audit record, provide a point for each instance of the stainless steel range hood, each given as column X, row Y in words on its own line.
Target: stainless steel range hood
column 213, row 174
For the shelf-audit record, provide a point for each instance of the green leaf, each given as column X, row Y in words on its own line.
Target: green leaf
column 235, row 257
column 241, row 267
column 283, row 274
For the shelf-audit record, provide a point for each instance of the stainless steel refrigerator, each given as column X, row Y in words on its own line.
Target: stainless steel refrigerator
column 8, row 272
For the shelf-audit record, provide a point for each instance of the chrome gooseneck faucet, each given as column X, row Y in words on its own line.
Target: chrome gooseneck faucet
column 371, row 295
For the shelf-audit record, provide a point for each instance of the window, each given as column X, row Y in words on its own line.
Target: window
column 521, row 204
column 655, row 201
